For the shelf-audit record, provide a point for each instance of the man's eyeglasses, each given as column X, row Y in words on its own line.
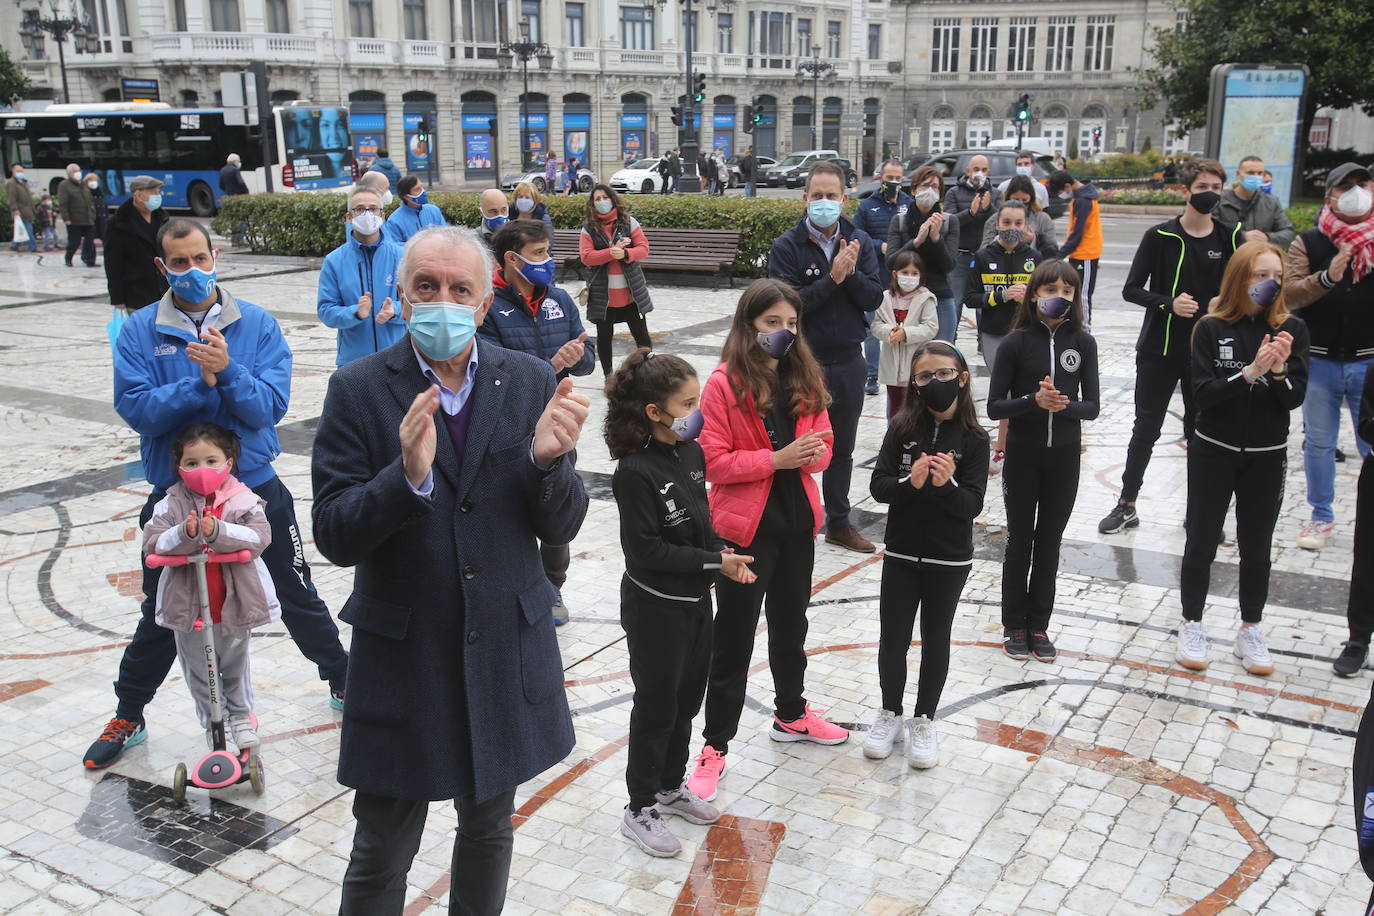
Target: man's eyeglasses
column 359, row 211
column 921, row 379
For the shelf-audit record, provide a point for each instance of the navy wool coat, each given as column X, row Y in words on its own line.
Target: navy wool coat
column 455, row 681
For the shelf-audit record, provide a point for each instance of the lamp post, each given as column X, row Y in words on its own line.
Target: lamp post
column 34, row 25
column 814, row 68
column 525, row 50
column 691, row 140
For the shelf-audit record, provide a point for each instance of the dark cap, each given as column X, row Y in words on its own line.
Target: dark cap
column 1343, row 172
column 143, row 183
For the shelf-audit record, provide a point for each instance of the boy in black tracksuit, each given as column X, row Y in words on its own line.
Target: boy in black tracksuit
column 1360, row 611
column 1040, row 480
column 1171, row 264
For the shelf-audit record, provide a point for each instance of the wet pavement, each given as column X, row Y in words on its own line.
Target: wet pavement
column 1111, row 781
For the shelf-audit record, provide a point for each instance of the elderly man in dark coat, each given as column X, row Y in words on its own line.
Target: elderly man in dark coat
column 439, row 466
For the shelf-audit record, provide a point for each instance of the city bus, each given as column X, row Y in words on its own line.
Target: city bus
column 185, row 147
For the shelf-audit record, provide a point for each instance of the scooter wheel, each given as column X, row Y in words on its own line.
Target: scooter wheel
column 179, row 784
column 257, row 776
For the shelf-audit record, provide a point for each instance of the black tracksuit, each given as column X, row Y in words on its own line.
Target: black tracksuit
column 1360, row 612
column 1168, row 263
column 927, row 554
column 1362, row 776
column 1240, row 446
column 994, row 269
column 671, row 555
column 1040, row 476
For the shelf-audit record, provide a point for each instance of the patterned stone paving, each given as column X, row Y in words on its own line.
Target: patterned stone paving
column 1109, row 782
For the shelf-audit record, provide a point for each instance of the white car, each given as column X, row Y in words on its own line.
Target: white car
column 641, row 175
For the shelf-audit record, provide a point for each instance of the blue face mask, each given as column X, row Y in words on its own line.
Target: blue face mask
column 420, row 199
column 193, row 284
column 442, row 329
column 153, row 202
column 1252, row 182
column 1267, row 187
column 688, row 427
column 1023, row 169
column 1264, row 292
column 776, row 343
column 540, row 273
column 823, row 213
column 495, row 222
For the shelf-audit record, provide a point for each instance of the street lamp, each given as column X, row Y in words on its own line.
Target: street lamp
column 814, row 68
column 34, row 25
column 691, row 142
column 525, row 50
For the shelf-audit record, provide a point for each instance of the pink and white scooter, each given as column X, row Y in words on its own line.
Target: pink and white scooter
column 219, row 768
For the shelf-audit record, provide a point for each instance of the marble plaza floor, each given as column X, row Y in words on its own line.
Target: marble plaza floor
column 1111, row 781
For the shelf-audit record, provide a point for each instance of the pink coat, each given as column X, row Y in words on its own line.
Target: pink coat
column 739, row 460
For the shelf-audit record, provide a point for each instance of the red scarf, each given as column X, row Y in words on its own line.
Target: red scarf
column 1359, row 237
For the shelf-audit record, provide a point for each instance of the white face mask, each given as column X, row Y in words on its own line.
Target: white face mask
column 367, row 223
column 926, row 198
column 977, row 178
column 92, row 184
column 1354, row 202
column 386, row 198
column 909, row 282
column 524, row 204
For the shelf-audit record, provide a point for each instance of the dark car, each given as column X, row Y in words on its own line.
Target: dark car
column 791, row 171
column 1001, row 166
column 764, row 164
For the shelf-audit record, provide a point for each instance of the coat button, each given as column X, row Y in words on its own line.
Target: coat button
column 472, row 637
column 469, row 572
column 465, row 506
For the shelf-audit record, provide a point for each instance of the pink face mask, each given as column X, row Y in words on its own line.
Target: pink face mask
column 205, row 480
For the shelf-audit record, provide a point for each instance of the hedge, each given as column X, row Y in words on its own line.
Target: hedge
column 310, row 225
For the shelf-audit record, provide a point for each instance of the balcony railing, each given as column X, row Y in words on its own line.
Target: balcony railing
column 423, row 53
column 215, row 47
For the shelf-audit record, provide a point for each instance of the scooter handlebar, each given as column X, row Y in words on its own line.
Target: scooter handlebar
column 155, row 560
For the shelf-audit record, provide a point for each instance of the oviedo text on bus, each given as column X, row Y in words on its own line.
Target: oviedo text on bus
column 184, row 147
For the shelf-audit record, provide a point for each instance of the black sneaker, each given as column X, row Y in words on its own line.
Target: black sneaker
column 871, row 387
column 1041, row 649
column 1014, row 644
column 1123, row 516
column 1340, row 456
column 1351, row 659
column 118, row 735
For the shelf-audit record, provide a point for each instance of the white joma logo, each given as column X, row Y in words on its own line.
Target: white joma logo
column 506, row 312
column 665, row 488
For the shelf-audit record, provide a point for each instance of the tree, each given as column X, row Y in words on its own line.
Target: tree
column 1323, row 34
column 13, row 82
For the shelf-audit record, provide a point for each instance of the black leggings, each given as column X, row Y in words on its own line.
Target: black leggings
column 1039, row 486
column 605, row 332
column 1256, row 479
column 935, row 590
column 1360, row 612
column 1156, row 377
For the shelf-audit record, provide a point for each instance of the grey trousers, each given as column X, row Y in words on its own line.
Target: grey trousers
column 236, row 681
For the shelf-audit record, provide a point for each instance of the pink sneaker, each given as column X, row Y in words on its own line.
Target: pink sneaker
column 810, row 727
column 706, row 776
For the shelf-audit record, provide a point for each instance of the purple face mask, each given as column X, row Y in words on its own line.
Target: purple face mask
column 1054, row 307
column 776, row 343
column 1264, row 293
column 688, row 427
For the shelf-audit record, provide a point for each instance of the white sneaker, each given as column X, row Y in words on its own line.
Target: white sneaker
column 922, row 743
column 228, row 739
column 995, row 462
column 1253, row 651
column 1315, row 535
column 886, row 725
column 1192, row 645
column 243, row 730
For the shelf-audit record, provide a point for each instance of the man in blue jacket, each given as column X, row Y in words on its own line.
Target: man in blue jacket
column 874, row 216
column 201, row 356
column 414, row 213
column 533, row 316
column 385, row 166
column 834, row 267
column 357, row 293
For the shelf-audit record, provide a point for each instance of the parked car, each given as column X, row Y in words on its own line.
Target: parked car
column 791, row 171
column 641, row 175
column 764, row 164
column 1001, row 166
column 585, row 180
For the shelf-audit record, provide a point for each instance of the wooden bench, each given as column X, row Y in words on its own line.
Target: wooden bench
column 710, row 251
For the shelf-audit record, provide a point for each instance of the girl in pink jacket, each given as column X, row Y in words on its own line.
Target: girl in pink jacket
column 211, row 511
column 766, row 433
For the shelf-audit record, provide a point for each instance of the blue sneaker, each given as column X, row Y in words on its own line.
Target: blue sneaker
column 560, row 612
column 336, row 699
column 118, row 735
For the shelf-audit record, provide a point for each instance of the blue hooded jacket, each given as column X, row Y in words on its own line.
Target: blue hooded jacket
column 159, row 392
column 405, row 221
column 349, row 271
column 554, row 321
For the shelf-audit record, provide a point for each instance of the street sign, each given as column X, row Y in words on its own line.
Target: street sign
column 852, row 122
column 138, row 90
column 240, row 96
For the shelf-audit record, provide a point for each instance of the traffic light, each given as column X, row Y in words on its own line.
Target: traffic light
column 422, row 130
column 699, row 87
column 757, row 116
column 1023, row 107
column 677, row 116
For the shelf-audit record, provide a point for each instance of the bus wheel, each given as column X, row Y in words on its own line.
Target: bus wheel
column 201, row 199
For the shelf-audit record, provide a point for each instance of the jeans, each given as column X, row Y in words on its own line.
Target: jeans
column 33, row 240
column 50, row 239
column 871, row 348
column 150, row 654
column 947, row 310
column 750, row 190
column 958, row 285
column 1329, row 383
column 845, row 380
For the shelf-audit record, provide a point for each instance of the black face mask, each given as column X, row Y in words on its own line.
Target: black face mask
column 1204, row 201
column 938, row 395
column 890, row 189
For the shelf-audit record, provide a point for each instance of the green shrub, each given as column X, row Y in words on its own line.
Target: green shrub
column 311, row 225
column 1303, row 216
column 1143, row 197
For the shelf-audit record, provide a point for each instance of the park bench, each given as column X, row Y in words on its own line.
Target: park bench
column 710, row 251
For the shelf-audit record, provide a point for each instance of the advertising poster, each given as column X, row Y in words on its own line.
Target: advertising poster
column 632, row 144
column 318, row 147
column 418, row 150
column 477, row 155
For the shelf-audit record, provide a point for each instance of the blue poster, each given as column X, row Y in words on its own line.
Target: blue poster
column 477, row 155
column 417, row 147
column 576, row 130
column 632, row 144
column 365, row 147
column 724, row 142
column 537, row 140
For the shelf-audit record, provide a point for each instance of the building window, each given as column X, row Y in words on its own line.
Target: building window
column 278, row 16
column 483, row 20
column 1021, row 44
column 832, row 38
column 636, row 28
column 1097, row 51
column 1059, row 56
column 416, row 28
column 944, row 57
column 575, row 15
column 774, row 34
column 725, row 35
column 529, row 9
column 875, row 42
column 982, row 52
column 804, row 37
column 224, row 15
column 1181, row 21
column 359, row 17
column 694, row 28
